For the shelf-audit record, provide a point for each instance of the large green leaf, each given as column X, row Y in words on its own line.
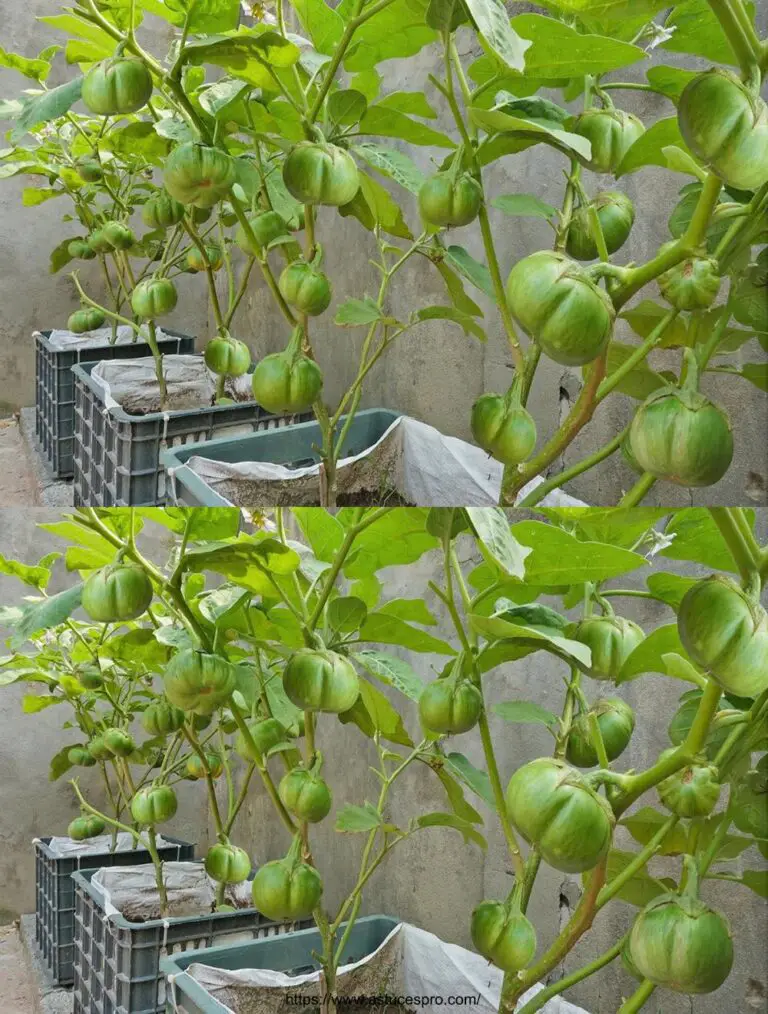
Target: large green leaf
column 648, row 656
column 525, row 713
column 398, row 30
column 559, row 558
column 466, row 321
column 204, row 16
column 497, row 543
column 496, row 628
column 393, row 671
column 201, row 523
column 385, row 122
column 609, row 10
column 478, row 274
column 464, row 827
column 321, row 530
column 37, row 70
column 374, row 714
column 36, row 577
column 670, row 80
column 396, row 165
column 640, row 888
column 648, row 149
column 382, row 628
column 397, row 537
column 493, row 24
column 47, row 613
column 559, row 51
column 696, row 537
column 374, row 206
column 695, row 29
column 496, row 120
column 669, row 587
column 48, row 106
column 254, row 59
column 524, row 205
column 246, row 564
column 475, row 779
column 620, row 526
column 641, row 379
column 321, row 23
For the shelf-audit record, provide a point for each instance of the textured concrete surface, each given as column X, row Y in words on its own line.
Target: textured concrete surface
column 436, row 372
column 17, row 985
column 47, row 997
column 52, row 492
column 434, row 880
column 18, row 483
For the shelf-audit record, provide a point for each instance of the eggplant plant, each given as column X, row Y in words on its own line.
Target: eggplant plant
column 249, row 648
column 280, row 121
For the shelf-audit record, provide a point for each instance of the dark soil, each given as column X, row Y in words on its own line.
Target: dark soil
column 369, row 498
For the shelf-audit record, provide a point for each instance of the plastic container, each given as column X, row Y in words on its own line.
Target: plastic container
column 291, row 954
column 117, row 962
column 293, row 446
column 55, row 895
column 55, row 394
column 117, row 455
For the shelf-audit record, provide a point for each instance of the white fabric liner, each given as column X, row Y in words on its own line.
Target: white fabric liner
column 64, row 847
column 424, row 466
column 409, row 962
column 64, row 340
column 131, row 891
column 131, row 384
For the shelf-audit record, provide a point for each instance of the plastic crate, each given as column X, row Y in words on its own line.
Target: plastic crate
column 293, row 446
column 55, row 896
column 117, row 962
column 55, row 390
column 117, row 455
column 290, row 954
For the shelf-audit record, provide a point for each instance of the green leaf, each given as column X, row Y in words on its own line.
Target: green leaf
column 497, row 628
column 681, row 669
column 559, row 51
column 395, row 165
column 321, row 529
column 223, row 602
column 60, row 763
column 201, row 523
column 538, row 616
column 474, row 272
column 648, row 149
column 383, row 121
column 493, row 24
column 373, row 206
column 497, row 543
column 31, row 704
column 456, row 291
column 475, row 779
column 391, row 670
column 525, row 713
column 757, row 881
column 410, row 610
column 136, row 648
column 559, row 558
column 35, row 577
column 33, row 196
column 670, row 80
column 644, row 317
column 346, row 106
column 467, row 323
column 37, row 70
column 205, row 16
column 252, row 58
column 322, row 24
column 456, row 797
column 524, row 206
column 397, row 537
column 410, row 103
column 696, row 30
column 465, row 829
column 174, row 128
column 669, row 587
column 648, row 656
column 640, row 381
column 48, row 106
column 358, row 818
column 346, row 614
column 619, row 526
column 646, row 822
column 681, row 162
column 372, row 713
column 138, row 139
column 640, row 888
column 496, row 120
column 174, row 637
column 384, row 629
column 696, row 537
column 358, row 312
column 610, row 10
column 47, row 613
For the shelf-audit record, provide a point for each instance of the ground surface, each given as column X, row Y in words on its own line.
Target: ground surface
column 16, row 988
column 18, row 485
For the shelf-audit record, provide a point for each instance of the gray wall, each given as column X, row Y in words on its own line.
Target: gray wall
column 435, row 880
column 436, row 373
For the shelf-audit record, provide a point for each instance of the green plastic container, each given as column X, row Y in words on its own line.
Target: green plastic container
column 291, row 953
column 293, row 446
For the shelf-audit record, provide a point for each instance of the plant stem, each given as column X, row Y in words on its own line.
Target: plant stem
column 746, row 47
column 560, row 985
column 158, row 358
column 641, row 859
column 158, row 864
column 637, row 1001
column 637, row 356
column 729, row 529
column 560, row 478
column 638, row 491
column 266, row 778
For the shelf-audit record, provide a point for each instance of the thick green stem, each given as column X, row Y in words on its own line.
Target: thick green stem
column 641, row 859
column 744, row 44
column 158, row 865
column 560, row 985
column 739, row 549
column 635, row 495
column 640, row 353
column 637, row 1001
column 158, row 358
column 266, row 778
column 560, row 478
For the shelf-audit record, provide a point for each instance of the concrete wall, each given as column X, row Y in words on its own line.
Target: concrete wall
column 435, row 879
column 436, row 373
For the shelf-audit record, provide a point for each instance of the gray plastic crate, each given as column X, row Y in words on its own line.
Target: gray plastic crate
column 294, row 446
column 117, row 962
column 55, row 896
column 55, row 390
column 117, row 455
column 290, row 954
